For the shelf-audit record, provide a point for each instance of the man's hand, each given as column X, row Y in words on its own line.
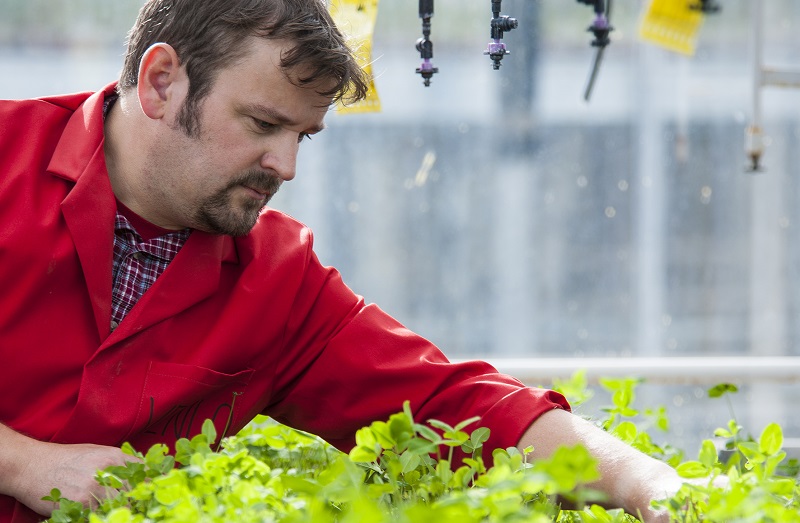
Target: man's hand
column 629, row 478
column 30, row 469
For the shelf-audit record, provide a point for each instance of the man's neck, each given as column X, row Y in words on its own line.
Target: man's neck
column 112, row 150
column 121, row 139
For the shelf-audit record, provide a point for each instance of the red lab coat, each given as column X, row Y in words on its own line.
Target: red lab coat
column 233, row 328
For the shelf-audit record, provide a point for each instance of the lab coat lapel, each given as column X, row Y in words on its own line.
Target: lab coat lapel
column 89, row 207
column 190, row 278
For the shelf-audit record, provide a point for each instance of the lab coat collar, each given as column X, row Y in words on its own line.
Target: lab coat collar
column 89, row 211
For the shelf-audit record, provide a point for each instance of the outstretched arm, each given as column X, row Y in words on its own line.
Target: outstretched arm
column 30, row 469
column 629, row 478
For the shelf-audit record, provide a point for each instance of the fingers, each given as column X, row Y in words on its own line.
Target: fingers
column 97, row 499
column 72, row 469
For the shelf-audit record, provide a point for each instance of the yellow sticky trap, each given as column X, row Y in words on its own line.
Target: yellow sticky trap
column 356, row 20
column 671, row 24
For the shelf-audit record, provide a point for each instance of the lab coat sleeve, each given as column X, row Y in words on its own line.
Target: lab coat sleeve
column 346, row 364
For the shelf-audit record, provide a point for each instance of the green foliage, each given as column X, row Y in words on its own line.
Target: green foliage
column 754, row 491
column 753, row 482
column 633, row 426
column 575, row 389
column 402, row 470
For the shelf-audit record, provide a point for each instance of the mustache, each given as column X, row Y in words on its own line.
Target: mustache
column 258, row 180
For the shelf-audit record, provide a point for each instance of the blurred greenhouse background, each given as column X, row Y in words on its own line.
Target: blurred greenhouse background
column 500, row 215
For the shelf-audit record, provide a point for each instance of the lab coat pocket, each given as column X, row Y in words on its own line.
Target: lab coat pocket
column 176, row 400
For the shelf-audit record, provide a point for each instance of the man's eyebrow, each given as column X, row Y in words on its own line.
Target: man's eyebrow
column 274, row 115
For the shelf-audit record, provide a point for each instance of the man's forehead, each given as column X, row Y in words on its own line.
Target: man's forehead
column 261, row 86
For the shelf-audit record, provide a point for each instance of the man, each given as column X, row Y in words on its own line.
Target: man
column 145, row 288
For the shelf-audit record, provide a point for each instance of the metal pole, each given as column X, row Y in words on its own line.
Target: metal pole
column 659, row 370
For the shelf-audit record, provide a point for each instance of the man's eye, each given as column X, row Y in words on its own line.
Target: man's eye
column 302, row 136
column 264, row 126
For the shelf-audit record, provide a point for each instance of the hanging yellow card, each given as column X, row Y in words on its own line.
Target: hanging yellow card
column 356, row 20
column 671, row 24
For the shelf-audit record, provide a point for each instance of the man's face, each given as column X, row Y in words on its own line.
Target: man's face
column 250, row 127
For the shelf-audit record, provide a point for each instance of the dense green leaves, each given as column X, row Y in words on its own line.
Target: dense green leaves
column 401, row 470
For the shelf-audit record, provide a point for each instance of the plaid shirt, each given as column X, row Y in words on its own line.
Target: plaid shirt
column 137, row 264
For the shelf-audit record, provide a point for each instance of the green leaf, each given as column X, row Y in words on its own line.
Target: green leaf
column 626, row 431
column 183, row 451
column 120, row 515
column 421, row 446
column 721, row 389
column 456, row 438
column 708, row 454
column 466, row 422
column 475, row 464
column 366, row 438
column 209, row 431
column 401, row 428
column 428, row 433
column 781, row 486
column 692, row 469
column 409, row 461
column 108, row 479
column 441, row 425
column 722, row 433
column 170, row 489
column 382, row 434
column 443, row 471
column 622, row 398
column 575, row 388
column 363, row 454
column 479, row 436
column 407, row 411
column 569, row 467
column 751, row 451
column 55, row 496
column 628, row 412
column 128, row 449
column 771, row 439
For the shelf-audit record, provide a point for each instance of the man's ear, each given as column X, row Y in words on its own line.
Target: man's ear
column 159, row 71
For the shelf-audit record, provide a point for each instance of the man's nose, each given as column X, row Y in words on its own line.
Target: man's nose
column 281, row 155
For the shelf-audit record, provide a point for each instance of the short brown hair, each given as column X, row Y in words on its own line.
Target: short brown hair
column 209, row 34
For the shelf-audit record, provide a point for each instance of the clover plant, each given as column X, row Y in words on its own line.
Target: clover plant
column 403, row 470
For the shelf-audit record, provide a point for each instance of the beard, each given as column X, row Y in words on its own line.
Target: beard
column 226, row 214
